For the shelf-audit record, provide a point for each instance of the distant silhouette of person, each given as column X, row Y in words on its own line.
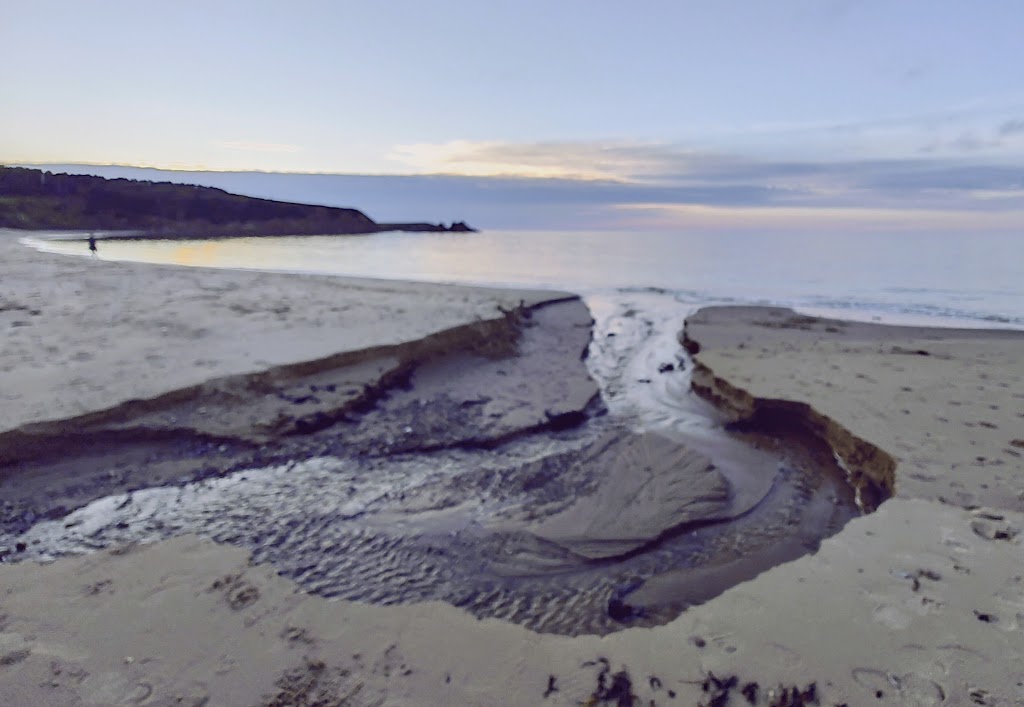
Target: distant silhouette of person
column 92, row 245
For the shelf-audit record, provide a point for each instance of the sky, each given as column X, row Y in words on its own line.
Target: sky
column 656, row 114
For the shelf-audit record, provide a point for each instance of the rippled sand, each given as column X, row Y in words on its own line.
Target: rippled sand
column 493, row 480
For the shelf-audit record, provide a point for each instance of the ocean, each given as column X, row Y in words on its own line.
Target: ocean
column 944, row 279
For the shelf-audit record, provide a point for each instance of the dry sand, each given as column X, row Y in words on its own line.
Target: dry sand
column 919, row 602
column 84, row 335
column 945, row 404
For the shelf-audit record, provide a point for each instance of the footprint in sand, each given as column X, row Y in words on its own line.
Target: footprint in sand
column 115, row 689
column 891, row 617
column 237, row 592
column 139, row 694
column 993, row 528
column 14, row 657
column 909, row 689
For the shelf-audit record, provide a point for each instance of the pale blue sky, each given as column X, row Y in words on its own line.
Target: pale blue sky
column 806, row 103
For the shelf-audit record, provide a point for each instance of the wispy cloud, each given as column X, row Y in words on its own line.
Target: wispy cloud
column 610, row 160
column 1012, row 127
column 983, row 129
column 248, row 146
column 915, row 73
column 546, row 160
column 709, row 192
column 660, row 216
column 626, row 172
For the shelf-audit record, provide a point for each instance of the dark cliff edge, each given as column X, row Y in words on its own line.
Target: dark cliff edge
column 456, row 227
column 33, row 199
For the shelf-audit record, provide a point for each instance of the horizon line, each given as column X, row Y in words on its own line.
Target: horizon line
column 312, row 173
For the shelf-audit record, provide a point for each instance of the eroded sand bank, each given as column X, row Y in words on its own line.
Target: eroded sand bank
column 943, row 406
column 917, row 603
column 473, row 465
column 113, row 332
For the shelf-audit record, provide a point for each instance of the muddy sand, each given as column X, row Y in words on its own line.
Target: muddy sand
column 475, row 465
column 335, row 446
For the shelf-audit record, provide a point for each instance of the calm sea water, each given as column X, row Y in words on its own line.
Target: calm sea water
column 938, row 279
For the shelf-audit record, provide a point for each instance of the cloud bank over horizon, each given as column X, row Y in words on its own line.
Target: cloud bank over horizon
column 576, row 114
column 622, row 185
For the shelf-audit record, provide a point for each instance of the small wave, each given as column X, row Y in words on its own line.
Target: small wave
column 947, row 313
column 951, row 292
column 939, row 314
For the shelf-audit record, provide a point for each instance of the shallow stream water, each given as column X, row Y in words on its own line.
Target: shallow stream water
column 449, row 525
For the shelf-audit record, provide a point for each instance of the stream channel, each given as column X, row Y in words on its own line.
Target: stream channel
column 458, row 524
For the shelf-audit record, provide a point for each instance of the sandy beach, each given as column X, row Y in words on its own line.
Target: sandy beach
column 118, row 377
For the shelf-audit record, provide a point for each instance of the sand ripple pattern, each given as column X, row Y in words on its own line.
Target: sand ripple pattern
column 470, row 526
column 424, row 528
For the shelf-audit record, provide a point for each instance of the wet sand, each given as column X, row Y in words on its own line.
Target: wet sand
column 476, row 465
column 924, row 592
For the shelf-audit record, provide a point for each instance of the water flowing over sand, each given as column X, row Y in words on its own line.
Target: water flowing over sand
column 446, row 489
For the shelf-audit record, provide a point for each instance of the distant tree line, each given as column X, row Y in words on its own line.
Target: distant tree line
column 34, row 199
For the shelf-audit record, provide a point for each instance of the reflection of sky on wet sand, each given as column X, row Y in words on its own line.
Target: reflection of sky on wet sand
column 200, row 254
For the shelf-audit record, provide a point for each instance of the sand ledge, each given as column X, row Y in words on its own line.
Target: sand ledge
column 920, row 412
column 870, row 470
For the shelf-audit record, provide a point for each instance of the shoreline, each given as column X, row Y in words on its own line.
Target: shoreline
column 179, row 327
column 922, row 591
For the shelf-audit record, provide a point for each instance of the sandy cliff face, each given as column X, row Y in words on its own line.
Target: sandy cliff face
column 870, row 469
column 915, row 412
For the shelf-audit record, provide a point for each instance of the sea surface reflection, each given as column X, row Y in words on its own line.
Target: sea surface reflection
column 939, row 279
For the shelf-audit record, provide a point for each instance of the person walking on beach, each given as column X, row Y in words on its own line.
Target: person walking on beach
column 92, row 245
